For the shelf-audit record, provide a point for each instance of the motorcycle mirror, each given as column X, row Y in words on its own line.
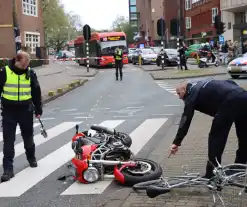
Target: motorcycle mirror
column 77, row 128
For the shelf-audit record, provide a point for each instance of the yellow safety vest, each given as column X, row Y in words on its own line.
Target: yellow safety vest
column 16, row 87
column 118, row 54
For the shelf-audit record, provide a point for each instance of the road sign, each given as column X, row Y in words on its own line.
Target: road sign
column 221, row 39
column 87, row 32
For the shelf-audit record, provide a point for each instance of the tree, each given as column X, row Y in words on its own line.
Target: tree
column 121, row 24
column 59, row 26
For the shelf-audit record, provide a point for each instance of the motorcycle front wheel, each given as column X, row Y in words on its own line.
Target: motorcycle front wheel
column 145, row 170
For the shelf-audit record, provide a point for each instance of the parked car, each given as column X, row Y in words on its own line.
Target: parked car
column 130, row 53
column 156, row 49
column 192, row 51
column 171, row 57
column 148, row 56
column 238, row 67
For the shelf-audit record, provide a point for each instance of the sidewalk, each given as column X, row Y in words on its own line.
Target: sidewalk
column 192, row 154
column 58, row 76
column 180, row 74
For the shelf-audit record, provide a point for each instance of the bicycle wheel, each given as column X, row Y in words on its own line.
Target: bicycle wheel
column 144, row 185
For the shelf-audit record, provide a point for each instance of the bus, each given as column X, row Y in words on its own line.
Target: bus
column 101, row 48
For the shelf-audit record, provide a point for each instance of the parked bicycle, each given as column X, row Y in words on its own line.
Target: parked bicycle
column 228, row 175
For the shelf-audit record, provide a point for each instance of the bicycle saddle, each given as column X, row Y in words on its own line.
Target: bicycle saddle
column 154, row 191
column 103, row 129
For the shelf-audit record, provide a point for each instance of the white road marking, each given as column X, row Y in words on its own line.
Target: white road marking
column 68, row 110
column 172, row 105
column 18, row 131
column 43, row 119
column 84, row 117
column 99, row 109
column 140, row 136
column 29, row 177
column 39, row 139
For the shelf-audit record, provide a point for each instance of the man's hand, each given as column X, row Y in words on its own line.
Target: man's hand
column 173, row 150
column 37, row 116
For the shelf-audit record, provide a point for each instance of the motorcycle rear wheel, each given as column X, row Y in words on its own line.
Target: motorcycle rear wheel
column 130, row 178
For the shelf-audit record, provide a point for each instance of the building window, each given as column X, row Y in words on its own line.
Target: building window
column 215, row 12
column 134, row 23
column 133, row 16
column 229, row 26
column 243, row 17
column 32, row 40
column 187, row 4
column 30, row 7
column 133, row 9
column 188, row 22
column 132, row 2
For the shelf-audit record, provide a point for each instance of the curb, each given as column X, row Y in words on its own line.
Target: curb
column 88, row 76
column 180, row 77
column 160, row 69
column 52, row 95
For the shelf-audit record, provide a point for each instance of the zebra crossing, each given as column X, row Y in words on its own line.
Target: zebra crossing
column 167, row 87
column 28, row 178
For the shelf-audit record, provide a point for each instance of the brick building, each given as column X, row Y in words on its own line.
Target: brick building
column 148, row 13
column 199, row 19
column 30, row 21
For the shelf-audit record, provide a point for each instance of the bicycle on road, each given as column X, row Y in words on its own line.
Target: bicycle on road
column 224, row 176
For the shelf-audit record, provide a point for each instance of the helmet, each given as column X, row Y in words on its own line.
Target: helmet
column 207, row 43
column 202, row 44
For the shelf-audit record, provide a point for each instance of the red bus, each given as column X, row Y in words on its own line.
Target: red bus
column 101, row 48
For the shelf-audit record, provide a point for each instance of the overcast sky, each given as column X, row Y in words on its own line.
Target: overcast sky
column 99, row 14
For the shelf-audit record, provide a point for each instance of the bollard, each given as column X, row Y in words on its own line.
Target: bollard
column 51, row 93
column 59, row 90
column 140, row 59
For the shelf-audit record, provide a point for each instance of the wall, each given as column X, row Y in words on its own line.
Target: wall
column 157, row 13
column 201, row 17
column 7, row 44
column 228, row 19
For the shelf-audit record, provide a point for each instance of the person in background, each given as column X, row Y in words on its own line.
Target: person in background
column 118, row 56
column 20, row 97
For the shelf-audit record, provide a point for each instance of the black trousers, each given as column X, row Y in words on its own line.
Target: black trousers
column 119, row 67
column 232, row 111
column 183, row 62
column 11, row 117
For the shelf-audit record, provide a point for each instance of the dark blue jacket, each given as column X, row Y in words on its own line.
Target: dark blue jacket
column 207, row 97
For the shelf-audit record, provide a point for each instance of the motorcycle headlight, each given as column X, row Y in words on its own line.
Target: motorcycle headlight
column 91, row 174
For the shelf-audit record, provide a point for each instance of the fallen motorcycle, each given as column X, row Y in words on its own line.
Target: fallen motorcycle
column 107, row 155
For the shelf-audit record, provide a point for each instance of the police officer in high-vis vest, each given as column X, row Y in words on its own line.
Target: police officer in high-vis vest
column 118, row 56
column 20, row 98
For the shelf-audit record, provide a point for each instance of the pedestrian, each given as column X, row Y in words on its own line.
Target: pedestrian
column 182, row 56
column 21, row 95
column 226, row 102
column 118, row 56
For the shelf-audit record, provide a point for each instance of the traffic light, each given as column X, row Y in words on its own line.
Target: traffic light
column 222, row 28
column 219, row 25
column 174, row 27
column 87, row 32
column 161, row 26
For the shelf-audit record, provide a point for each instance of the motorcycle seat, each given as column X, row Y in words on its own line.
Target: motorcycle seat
column 103, row 129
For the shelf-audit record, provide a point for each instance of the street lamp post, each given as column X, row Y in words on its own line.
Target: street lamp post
column 16, row 27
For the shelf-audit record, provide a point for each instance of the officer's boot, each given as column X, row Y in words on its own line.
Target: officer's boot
column 32, row 162
column 121, row 77
column 116, row 77
column 7, row 175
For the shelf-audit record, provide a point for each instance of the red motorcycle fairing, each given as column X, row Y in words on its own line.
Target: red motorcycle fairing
column 118, row 174
column 87, row 151
column 78, row 136
column 80, row 167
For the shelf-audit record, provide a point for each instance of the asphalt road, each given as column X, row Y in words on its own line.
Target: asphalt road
column 136, row 105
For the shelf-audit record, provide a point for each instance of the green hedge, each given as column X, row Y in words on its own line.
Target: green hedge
column 33, row 63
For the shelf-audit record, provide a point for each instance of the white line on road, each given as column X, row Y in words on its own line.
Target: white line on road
column 68, row 110
column 162, row 114
column 140, row 136
column 99, row 109
column 84, row 117
column 43, row 119
column 29, row 177
column 39, row 139
column 172, row 105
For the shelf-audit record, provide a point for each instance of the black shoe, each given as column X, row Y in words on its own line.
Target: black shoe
column 33, row 163
column 7, row 175
column 116, row 78
column 121, row 78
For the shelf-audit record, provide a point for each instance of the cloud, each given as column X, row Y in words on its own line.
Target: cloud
column 99, row 14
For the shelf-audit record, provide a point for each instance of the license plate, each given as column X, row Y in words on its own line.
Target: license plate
column 153, row 59
column 235, row 69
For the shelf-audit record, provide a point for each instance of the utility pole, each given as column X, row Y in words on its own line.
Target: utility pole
column 16, row 27
column 178, row 28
